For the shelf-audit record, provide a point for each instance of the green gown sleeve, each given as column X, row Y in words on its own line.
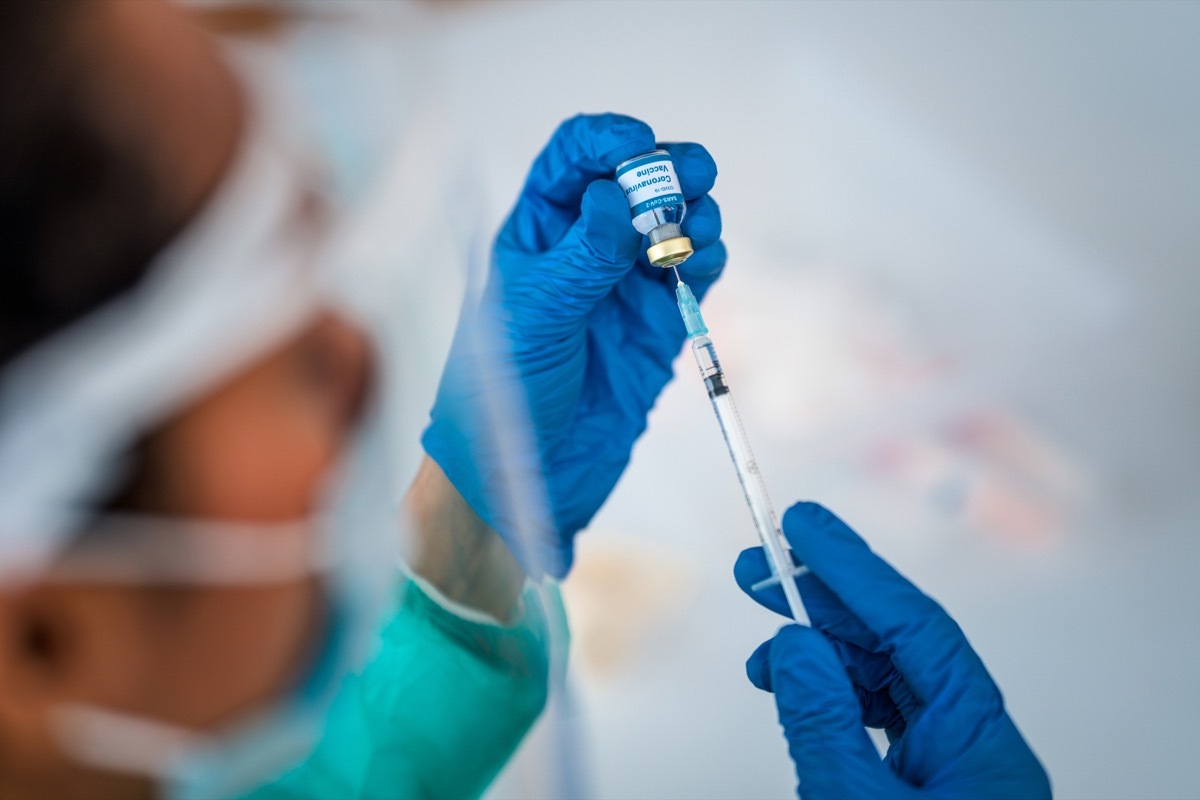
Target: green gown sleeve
column 438, row 711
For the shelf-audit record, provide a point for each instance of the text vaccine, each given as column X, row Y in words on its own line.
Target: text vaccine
column 656, row 203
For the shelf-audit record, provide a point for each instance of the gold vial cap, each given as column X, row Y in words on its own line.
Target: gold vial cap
column 670, row 252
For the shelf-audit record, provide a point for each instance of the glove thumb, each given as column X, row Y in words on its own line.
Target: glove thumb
column 822, row 720
column 599, row 249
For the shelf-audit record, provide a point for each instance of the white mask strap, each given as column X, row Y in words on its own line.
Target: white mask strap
column 163, row 551
column 118, row 742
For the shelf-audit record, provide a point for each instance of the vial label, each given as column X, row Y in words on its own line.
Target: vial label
column 649, row 182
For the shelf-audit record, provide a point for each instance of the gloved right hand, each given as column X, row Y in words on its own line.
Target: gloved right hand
column 552, row 373
column 882, row 655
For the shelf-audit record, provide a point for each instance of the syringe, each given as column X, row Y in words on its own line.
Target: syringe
column 783, row 567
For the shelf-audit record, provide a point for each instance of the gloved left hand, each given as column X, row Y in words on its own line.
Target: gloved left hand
column 880, row 654
column 551, row 377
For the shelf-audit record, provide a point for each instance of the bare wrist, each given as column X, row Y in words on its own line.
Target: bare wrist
column 456, row 551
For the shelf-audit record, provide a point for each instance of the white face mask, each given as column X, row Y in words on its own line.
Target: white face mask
column 352, row 555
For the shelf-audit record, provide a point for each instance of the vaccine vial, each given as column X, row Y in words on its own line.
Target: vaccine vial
column 656, row 203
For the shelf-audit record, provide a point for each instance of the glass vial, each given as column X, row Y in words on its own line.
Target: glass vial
column 657, row 205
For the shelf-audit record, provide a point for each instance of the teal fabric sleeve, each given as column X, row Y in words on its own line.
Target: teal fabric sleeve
column 438, row 711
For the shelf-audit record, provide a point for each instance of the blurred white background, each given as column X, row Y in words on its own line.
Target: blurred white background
column 961, row 309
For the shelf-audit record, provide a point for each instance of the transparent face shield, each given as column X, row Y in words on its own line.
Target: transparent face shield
column 240, row 281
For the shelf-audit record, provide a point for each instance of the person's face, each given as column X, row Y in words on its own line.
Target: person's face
column 259, row 448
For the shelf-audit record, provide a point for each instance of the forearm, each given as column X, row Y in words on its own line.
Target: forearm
column 456, row 551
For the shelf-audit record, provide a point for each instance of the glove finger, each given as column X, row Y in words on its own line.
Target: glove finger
column 752, row 567
column 645, row 304
column 598, row 251
column 702, row 224
column 695, row 168
column 926, row 645
column 903, row 697
column 874, row 677
column 836, row 619
column 879, row 711
column 878, row 708
column 758, row 666
column 825, row 610
column 872, row 672
column 583, row 149
column 822, row 720
column 699, row 272
column 703, row 269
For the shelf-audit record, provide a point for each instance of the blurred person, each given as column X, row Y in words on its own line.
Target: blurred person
column 180, row 399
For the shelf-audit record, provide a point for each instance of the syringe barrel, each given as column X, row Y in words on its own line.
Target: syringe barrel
column 753, row 486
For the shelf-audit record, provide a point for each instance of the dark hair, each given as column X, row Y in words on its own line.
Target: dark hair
column 81, row 211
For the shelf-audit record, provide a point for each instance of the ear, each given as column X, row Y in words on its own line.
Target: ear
column 48, row 656
column 62, row 643
column 65, row 644
column 38, row 642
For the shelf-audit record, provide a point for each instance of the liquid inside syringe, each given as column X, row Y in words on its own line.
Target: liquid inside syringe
column 783, row 567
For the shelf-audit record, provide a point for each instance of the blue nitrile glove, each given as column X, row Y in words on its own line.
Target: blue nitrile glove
column 882, row 655
column 575, row 324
